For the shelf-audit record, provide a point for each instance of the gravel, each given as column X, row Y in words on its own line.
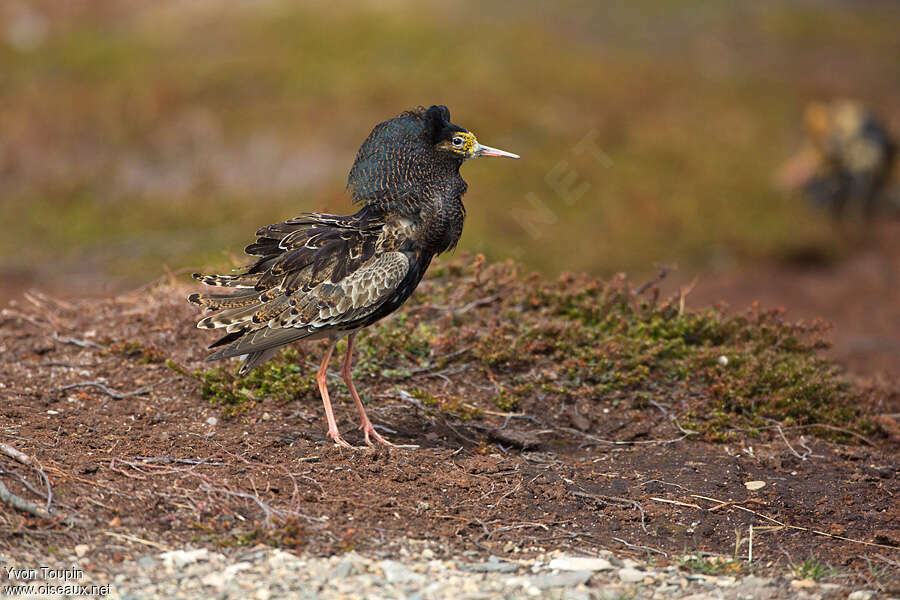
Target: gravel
column 264, row 573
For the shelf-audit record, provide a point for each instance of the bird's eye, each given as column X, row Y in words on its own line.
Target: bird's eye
column 458, row 141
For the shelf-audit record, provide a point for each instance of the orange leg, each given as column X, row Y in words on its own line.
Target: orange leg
column 365, row 423
column 321, row 375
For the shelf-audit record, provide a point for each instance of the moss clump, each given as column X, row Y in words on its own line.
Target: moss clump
column 220, row 387
column 143, row 353
column 289, row 534
column 712, row 565
column 600, row 341
column 283, row 379
column 454, row 406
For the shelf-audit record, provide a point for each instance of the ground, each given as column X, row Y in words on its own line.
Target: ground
column 549, row 414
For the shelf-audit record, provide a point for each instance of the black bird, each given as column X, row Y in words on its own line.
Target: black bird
column 326, row 276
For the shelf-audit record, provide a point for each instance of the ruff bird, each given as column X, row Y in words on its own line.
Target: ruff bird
column 326, row 276
column 846, row 160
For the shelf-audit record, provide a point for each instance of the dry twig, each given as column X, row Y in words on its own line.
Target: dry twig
column 664, row 271
column 689, row 505
column 26, row 460
column 76, row 342
column 648, row 548
column 131, row 538
column 106, row 390
column 602, row 498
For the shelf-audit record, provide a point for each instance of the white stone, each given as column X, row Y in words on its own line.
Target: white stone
column 212, row 420
column 215, row 579
column 631, row 575
column 754, row 485
column 803, row 584
column 81, row 549
column 725, row 581
column 283, row 559
column 861, row 595
column 263, row 594
column 396, row 572
column 232, row 570
column 580, row 563
column 182, row 558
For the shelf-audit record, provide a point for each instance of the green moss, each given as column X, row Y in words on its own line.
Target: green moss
column 143, row 353
column 813, row 568
column 289, row 534
column 453, row 405
column 282, row 379
column 174, row 366
column 712, row 565
column 220, row 387
column 599, row 341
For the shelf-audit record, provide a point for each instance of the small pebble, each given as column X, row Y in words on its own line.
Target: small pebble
column 262, row 594
column 580, row 563
column 396, row 572
column 493, row 565
column 564, row 579
column 182, row 558
column 631, row 575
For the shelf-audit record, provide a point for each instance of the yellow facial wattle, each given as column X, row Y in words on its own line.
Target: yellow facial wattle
column 462, row 143
column 469, row 144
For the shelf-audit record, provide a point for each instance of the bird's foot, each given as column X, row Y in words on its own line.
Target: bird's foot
column 369, row 430
column 338, row 440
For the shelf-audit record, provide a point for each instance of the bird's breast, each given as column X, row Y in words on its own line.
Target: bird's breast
column 441, row 219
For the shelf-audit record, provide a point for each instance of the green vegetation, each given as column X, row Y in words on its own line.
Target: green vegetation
column 712, row 565
column 137, row 351
column 649, row 132
column 284, row 379
column 814, row 569
column 286, row 533
column 535, row 343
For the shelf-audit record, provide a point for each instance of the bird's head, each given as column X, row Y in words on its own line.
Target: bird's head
column 817, row 121
column 453, row 140
column 409, row 153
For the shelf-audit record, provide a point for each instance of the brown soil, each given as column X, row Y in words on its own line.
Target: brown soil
column 154, row 466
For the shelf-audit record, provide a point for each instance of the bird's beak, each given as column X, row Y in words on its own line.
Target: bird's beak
column 481, row 150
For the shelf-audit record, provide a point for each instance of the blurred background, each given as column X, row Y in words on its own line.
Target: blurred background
column 137, row 137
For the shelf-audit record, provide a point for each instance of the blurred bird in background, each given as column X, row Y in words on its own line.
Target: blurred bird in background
column 846, row 159
column 327, row 276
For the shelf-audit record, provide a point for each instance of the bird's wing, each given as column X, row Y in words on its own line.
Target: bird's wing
column 315, row 273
